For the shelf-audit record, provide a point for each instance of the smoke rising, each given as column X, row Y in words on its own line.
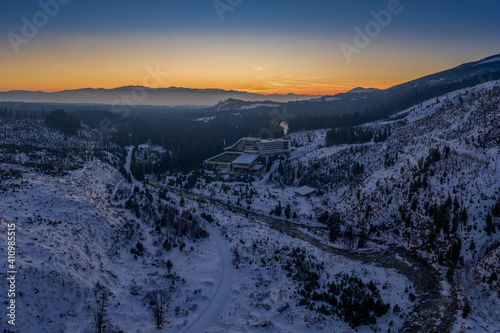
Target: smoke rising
column 284, row 126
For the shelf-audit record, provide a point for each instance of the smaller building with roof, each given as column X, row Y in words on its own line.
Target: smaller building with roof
column 305, row 191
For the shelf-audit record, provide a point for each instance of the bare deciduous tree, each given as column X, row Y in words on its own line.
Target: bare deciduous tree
column 100, row 317
column 158, row 303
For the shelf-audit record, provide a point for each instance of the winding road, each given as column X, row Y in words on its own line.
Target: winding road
column 434, row 311
column 225, row 282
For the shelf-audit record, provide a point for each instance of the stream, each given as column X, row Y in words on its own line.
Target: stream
column 434, row 310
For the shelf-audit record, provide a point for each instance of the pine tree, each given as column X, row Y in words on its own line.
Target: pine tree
column 288, row 209
column 334, row 223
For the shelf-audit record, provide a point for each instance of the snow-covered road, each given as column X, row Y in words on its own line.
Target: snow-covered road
column 226, row 279
column 225, row 283
column 127, row 166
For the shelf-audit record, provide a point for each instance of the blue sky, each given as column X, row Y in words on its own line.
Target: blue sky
column 420, row 18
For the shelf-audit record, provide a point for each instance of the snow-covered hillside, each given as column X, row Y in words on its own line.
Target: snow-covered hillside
column 430, row 187
column 403, row 233
column 72, row 236
column 84, row 231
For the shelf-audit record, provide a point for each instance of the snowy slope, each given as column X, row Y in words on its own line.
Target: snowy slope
column 389, row 201
column 78, row 220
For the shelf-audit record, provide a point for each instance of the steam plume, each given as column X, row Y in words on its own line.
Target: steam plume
column 284, row 125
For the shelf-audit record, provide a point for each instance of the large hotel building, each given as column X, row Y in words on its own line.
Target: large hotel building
column 249, row 156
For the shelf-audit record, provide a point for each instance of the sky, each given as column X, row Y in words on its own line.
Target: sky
column 317, row 47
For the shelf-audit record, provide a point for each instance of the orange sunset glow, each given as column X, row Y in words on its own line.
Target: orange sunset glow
column 263, row 49
column 279, row 65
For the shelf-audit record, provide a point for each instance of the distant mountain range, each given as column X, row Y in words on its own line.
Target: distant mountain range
column 362, row 90
column 397, row 98
column 357, row 99
column 138, row 95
